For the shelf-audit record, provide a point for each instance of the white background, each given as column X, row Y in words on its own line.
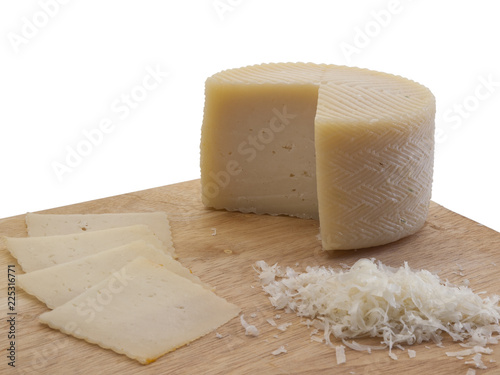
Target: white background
column 68, row 66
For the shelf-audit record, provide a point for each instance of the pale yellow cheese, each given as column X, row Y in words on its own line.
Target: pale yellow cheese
column 33, row 253
column 56, row 224
column 60, row 283
column 143, row 312
column 396, row 305
column 348, row 146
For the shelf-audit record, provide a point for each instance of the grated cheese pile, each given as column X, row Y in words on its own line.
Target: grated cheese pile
column 398, row 305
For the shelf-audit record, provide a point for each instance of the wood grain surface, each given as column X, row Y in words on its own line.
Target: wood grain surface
column 453, row 246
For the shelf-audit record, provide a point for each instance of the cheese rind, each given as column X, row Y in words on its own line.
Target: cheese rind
column 58, row 284
column 56, row 224
column 144, row 313
column 374, row 160
column 33, row 253
column 349, row 146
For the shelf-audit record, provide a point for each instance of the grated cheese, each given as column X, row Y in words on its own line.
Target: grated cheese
column 477, row 361
column 360, row 347
column 280, row 350
column 272, row 322
column 317, row 339
column 473, row 350
column 250, row 330
column 340, row 354
column 283, row 327
column 397, row 305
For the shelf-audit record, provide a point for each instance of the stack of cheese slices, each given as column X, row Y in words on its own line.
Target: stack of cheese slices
column 112, row 280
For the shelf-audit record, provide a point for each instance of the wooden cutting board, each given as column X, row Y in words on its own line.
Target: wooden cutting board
column 221, row 248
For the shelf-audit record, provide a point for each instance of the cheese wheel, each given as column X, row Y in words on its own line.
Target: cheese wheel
column 351, row 147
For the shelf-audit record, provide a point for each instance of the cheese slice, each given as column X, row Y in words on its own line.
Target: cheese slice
column 348, row 146
column 142, row 311
column 55, row 224
column 58, row 284
column 33, row 253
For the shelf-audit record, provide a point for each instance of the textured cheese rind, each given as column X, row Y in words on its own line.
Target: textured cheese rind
column 56, row 224
column 57, row 285
column 147, row 314
column 360, row 160
column 374, row 159
column 33, row 253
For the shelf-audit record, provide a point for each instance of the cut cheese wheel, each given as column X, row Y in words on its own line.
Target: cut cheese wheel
column 55, row 224
column 33, row 253
column 57, row 285
column 143, row 311
column 348, row 146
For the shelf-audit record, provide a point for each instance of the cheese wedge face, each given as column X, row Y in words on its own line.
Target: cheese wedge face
column 351, row 147
column 56, row 224
column 33, row 253
column 142, row 311
column 58, row 284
